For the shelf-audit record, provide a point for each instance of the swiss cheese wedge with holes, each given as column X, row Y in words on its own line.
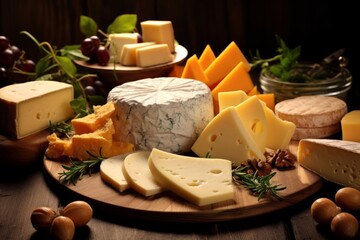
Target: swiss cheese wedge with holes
column 201, row 181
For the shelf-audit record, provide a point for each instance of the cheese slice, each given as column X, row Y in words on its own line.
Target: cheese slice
column 159, row 31
column 28, row 108
column 202, row 181
column 231, row 98
column 153, row 55
column 138, row 175
column 128, row 53
column 193, row 70
column 251, row 114
column 112, row 174
column 161, row 112
column 237, row 79
column 206, row 57
column 228, row 138
column 224, row 63
column 335, row 160
column 116, row 41
column 350, row 125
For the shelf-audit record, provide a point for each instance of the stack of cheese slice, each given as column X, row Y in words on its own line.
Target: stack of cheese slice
column 334, row 160
column 314, row 116
column 201, row 181
column 242, row 130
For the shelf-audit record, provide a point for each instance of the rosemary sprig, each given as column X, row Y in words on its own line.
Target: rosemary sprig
column 260, row 185
column 77, row 169
column 62, row 128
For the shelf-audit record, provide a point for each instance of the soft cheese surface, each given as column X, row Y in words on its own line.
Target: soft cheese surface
column 166, row 113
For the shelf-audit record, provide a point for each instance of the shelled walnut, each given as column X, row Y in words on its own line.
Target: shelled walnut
column 281, row 159
column 263, row 168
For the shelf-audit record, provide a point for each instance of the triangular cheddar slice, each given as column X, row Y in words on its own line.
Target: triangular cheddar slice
column 202, row 181
column 193, row 70
column 206, row 57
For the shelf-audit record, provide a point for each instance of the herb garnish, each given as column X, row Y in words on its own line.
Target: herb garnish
column 259, row 185
column 61, row 128
column 77, row 169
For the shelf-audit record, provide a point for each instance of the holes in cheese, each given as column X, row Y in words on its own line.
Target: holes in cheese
column 202, row 181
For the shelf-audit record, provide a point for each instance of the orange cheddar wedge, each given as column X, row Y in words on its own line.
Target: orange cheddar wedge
column 224, row 63
column 253, row 91
column 268, row 99
column 206, row 57
column 237, row 79
column 193, row 70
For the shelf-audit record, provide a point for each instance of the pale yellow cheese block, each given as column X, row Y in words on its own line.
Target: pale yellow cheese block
column 312, row 111
column 153, row 55
column 128, row 53
column 137, row 174
column 202, row 181
column 335, row 160
column 111, row 172
column 116, row 41
column 159, row 31
column 350, row 125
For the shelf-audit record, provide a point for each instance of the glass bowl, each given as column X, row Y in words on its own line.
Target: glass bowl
column 331, row 81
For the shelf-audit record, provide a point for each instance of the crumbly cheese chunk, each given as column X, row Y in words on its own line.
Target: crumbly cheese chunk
column 202, row 181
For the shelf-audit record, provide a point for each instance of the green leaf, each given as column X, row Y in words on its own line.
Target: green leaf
column 97, row 100
column 67, row 65
column 123, row 24
column 88, row 26
column 79, row 105
column 42, row 65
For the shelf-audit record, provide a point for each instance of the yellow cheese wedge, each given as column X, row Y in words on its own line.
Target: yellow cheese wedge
column 206, row 57
column 27, row 108
column 128, row 53
column 350, row 125
column 252, row 116
column 237, row 79
column 334, row 160
column 116, row 41
column 111, row 172
column 193, row 70
column 159, row 31
column 224, row 63
column 202, row 181
column 228, row 138
column 231, row 98
column 153, row 55
column 253, row 91
column 137, row 173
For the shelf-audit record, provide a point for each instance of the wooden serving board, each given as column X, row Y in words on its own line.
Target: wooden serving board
column 299, row 182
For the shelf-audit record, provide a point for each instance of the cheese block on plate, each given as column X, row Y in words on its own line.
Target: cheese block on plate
column 27, row 108
column 116, row 42
column 138, row 175
column 202, row 181
column 111, row 172
column 153, row 55
column 159, row 31
column 166, row 113
column 335, row 160
column 128, row 53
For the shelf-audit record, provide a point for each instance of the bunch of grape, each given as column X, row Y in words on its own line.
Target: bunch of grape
column 94, row 86
column 91, row 47
column 11, row 56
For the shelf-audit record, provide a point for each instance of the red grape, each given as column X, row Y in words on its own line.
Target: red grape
column 26, row 65
column 16, row 51
column 7, row 58
column 88, row 47
column 90, row 90
column 4, row 43
column 96, row 41
column 102, row 55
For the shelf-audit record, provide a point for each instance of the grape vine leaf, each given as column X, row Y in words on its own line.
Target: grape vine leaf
column 123, row 24
column 88, row 26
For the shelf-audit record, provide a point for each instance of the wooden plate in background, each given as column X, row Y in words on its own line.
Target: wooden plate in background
column 299, row 182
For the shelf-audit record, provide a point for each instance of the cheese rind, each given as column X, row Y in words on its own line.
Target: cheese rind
column 161, row 112
column 111, row 172
column 202, row 181
column 350, row 125
column 226, row 137
column 27, row 108
column 138, row 175
column 153, row 55
column 335, row 160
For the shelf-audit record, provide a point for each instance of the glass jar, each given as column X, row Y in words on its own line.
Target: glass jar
column 335, row 82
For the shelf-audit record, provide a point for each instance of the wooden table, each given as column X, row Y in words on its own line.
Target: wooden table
column 23, row 190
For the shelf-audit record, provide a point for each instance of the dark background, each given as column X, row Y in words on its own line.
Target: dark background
column 320, row 27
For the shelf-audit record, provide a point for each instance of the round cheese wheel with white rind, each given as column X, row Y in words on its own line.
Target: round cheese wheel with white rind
column 316, row 132
column 312, row 111
column 165, row 113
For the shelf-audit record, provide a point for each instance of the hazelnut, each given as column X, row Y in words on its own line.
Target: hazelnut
column 79, row 212
column 42, row 217
column 62, row 228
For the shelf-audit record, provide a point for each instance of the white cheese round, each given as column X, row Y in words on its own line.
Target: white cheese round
column 165, row 113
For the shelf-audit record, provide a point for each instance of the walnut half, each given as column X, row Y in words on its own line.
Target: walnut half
column 280, row 159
